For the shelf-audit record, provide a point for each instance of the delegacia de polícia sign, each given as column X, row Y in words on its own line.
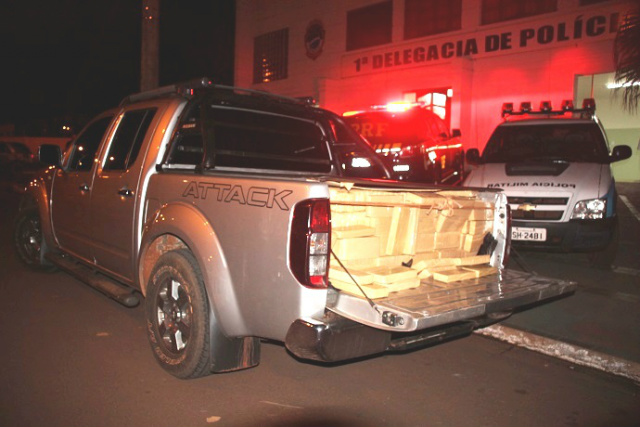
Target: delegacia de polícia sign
column 579, row 28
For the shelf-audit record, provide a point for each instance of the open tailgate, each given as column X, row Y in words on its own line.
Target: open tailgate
column 434, row 304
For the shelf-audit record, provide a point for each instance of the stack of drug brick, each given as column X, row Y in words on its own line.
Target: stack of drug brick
column 390, row 241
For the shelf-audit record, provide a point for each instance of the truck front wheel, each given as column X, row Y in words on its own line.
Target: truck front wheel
column 29, row 242
column 177, row 312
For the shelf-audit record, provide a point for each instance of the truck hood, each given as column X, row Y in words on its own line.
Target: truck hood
column 585, row 178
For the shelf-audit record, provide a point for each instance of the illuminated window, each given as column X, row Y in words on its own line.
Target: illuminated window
column 270, row 56
column 504, row 10
column 436, row 100
column 427, row 17
column 369, row 26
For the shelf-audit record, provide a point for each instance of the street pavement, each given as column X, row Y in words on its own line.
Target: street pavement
column 598, row 326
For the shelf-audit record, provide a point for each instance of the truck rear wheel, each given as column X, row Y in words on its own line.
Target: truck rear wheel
column 177, row 312
column 29, row 242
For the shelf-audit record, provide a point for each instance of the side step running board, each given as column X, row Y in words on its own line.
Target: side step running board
column 110, row 288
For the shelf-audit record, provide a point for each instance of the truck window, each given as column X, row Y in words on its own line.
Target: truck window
column 251, row 140
column 258, row 140
column 128, row 139
column 354, row 155
column 86, row 145
column 187, row 146
column 577, row 142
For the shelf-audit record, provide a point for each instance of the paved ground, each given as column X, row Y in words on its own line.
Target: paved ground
column 73, row 357
column 599, row 325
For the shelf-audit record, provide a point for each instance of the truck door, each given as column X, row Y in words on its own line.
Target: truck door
column 115, row 197
column 71, row 191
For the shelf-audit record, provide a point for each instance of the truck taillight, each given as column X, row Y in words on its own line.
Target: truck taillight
column 311, row 243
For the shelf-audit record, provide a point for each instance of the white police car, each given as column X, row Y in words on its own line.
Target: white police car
column 554, row 167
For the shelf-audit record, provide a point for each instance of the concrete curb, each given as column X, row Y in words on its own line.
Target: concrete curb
column 569, row 352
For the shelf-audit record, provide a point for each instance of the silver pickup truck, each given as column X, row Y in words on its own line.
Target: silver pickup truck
column 242, row 216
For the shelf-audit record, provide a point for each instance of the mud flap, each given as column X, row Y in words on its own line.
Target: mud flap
column 231, row 354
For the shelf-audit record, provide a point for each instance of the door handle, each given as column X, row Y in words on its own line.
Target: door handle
column 125, row 192
column 84, row 187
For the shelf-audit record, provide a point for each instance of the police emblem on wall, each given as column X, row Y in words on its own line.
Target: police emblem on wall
column 314, row 39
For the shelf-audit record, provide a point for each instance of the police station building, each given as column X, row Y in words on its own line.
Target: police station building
column 463, row 58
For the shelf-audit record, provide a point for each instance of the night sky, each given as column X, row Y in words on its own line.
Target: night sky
column 67, row 60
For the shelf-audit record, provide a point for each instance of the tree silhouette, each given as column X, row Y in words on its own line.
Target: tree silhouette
column 627, row 58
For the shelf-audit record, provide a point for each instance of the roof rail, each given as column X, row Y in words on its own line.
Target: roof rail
column 184, row 89
column 268, row 95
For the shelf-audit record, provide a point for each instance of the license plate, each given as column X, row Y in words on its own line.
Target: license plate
column 529, row 234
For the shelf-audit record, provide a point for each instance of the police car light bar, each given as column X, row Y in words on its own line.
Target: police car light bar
column 545, row 106
column 588, row 107
column 567, row 105
column 507, row 108
column 396, row 106
column 392, row 107
column 525, row 107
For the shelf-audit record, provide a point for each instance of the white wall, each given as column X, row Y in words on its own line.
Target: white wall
column 622, row 127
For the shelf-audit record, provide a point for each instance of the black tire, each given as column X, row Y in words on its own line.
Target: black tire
column 29, row 242
column 177, row 311
column 605, row 258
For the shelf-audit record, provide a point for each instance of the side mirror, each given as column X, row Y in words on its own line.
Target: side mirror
column 473, row 156
column 49, row 155
column 620, row 152
column 455, row 133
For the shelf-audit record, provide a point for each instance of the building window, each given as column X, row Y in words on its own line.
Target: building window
column 369, row 26
column 270, row 56
column 504, row 10
column 427, row 17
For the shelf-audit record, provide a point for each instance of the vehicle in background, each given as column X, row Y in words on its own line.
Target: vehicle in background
column 554, row 167
column 414, row 141
column 15, row 152
column 17, row 165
